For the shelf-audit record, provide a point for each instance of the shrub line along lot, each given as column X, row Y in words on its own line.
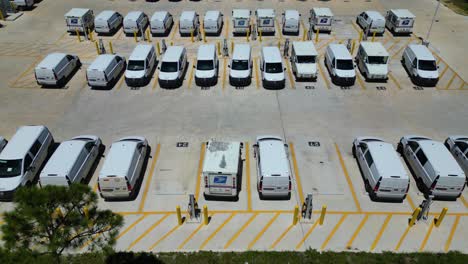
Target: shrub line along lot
column 302, row 112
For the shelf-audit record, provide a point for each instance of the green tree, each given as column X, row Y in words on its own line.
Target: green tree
column 53, row 219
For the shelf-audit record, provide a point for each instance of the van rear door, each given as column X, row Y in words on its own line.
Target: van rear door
column 113, row 185
column 393, row 185
column 44, row 74
column 95, row 76
column 276, row 184
column 221, row 183
column 451, row 185
column 53, row 179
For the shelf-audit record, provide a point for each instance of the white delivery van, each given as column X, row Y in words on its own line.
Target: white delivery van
column 241, row 21
column 105, row 70
column 213, row 22
column 141, row 65
column 135, row 21
column 371, row 21
column 321, row 18
column 291, row 22
column 372, row 60
column 340, row 64
column 173, row 67
column 458, row 146
column 265, row 21
column 273, row 173
column 383, row 172
column 222, row 169
column 421, row 65
column 240, row 73
column 400, row 21
column 81, row 19
column 207, row 67
column 161, row 23
column 71, row 161
column 435, row 170
column 3, row 143
column 108, row 22
column 189, row 22
column 271, row 66
column 23, row 4
column 22, row 158
column 123, row 168
column 304, row 60
column 56, row 68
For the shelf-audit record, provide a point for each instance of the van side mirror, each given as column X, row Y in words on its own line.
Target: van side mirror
column 229, row 66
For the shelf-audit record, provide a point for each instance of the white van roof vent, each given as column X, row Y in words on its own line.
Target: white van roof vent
column 223, row 162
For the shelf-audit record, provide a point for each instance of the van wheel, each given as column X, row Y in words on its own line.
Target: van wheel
column 400, row 148
column 78, row 63
column 261, row 196
column 289, row 196
column 28, row 184
column 354, row 151
column 236, row 198
column 367, row 187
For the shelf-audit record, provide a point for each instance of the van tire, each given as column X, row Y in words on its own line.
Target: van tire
column 354, row 151
column 289, row 196
column 260, row 195
column 400, row 148
column 447, row 145
column 78, row 64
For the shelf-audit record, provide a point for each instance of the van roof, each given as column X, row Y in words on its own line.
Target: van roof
column 140, row 51
column 241, row 52
column 374, row 48
column 322, row 11
column 441, row 159
column 206, row 52
column 273, row 156
column 291, row 14
column 402, row 13
column 77, row 12
column 21, row 142
column 386, row 160
column 105, row 15
column 265, row 12
column 240, row 13
column 159, row 16
column 421, row 52
column 222, row 157
column 119, row 158
column 133, row 15
column 212, row 15
column 64, row 157
column 271, row 54
column 173, row 53
column 51, row 60
column 302, row 48
column 340, row 51
column 374, row 15
column 101, row 62
column 187, row 15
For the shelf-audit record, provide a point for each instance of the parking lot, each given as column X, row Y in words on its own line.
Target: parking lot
column 318, row 121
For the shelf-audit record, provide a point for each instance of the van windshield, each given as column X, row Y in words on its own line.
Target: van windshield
column 377, row 60
column 10, row 168
column 305, row 59
column 344, row 64
column 240, row 65
column 276, row 67
column 168, row 66
column 427, row 65
column 205, row 65
column 136, row 65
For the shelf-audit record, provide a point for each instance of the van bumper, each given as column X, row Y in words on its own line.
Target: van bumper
column 445, row 195
column 274, row 84
column 426, row 81
column 204, row 82
column 275, row 194
column 390, row 196
column 44, row 82
column 115, row 195
column 240, row 81
column 323, row 28
column 169, row 83
column 135, row 81
column 344, row 81
column 7, row 195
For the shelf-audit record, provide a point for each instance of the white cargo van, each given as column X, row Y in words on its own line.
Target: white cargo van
column 71, row 161
column 421, row 65
column 135, row 21
column 222, row 169
column 371, row 22
column 206, row 73
column 272, row 68
column 213, row 22
column 383, row 172
column 400, row 21
column 321, row 18
column 291, row 22
column 304, row 60
column 141, row 65
column 458, row 146
column 56, row 68
column 122, row 168
column 340, row 65
column 22, row 158
column 372, row 61
column 273, row 173
column 435, row 170
column 105, row 70
column 23, row 4
column 173, row 67
column 81, row 19
column 265, row 21
column 241, row 21
column 240, row 73
column 161, row 23
column 189, row 22
column 3, row 143
column 108, row 22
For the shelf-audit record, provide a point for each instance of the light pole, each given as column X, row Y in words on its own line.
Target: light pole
column 426, row 41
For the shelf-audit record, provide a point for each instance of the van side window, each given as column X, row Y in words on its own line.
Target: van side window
column 35, row 148
column 462, row 146
column 27, row 162
column 414, row 63
column 147, row 63
column 413, row 145
column 363, row 147
column 69, row 57
column 118, row 59
column 421, row 157
column 333, row 62
column 89, row 146
column 369, row 159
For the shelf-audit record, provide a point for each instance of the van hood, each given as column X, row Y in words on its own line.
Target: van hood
column 168, row 76
column 428, row 74
column 134, row 74
column 10, row 183
column 377, row 69
column 306, row 68
column 205, row 74
column 272, row 77
column 239, row 74
column 345, row 73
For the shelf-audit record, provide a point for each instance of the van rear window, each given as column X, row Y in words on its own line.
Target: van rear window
column 306, row 59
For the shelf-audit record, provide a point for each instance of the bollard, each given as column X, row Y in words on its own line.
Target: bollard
column 353, row 46
column 90, row 34
column 232, row 46
column 148, row 35
column 373, row 36
column 111, row 48
column 438, row 220
column 97, row 48
column 305, row 35
column 158, row 48
column 179, row 215
column 260, row 34
column 322, row 214
column 191, row 35
column 86, row 212
column 1, row 16
column 296, row 215
column 317, row 35
column 135, row 36
column 205, row 215
column 172, row 43
column 279, row 44
column 58, row 213
column 414, row 216
column 360, row 35
column 218, row 45
column 78, row 35
column 247, row 34
column 204, row 36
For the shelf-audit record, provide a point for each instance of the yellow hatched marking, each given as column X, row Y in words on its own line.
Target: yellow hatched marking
column 174, row 31
column 147, row 231
column 444, row 71
column 236, row 235
column 465, row 203
column 360, row 81
column 164, row 237
column 299, row 245
column 105, row 229
column 190, row 237
column 450, row 81
column 216, row 231
column 155, row 84
column 247, row 168
column 327, row 82
column 426, row 238
column 28, row 70
column 410, row 201
column 257, row 80
column 191, row 75
column 150, row 177
column 452, row 232
column 296, row 172
column 356, row 27
column 402, row 238
column 390, row 75
column 264, row 229
column 130, row 227
column 224, row 73
column 291, row 77
column 227, row 28
column 281, row 237
column 348, row 179
column 358, row 229
column 330, row 236
column 200, row 168
column 381, row 231
column 393, row 45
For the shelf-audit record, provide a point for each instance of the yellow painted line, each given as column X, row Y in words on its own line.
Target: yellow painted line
column 296, row 173
column 236, row 235
column 327, row 82
column 120, row 83
column 227, row 28
column 278, row 28
column 410, row 201
column 130, row 227
column 22, row 75
column 216, row 231
column 393, row 45
column 400, row 49
column 311, row 229
column 465, row 203
column 381, row 231
column 150, row 177
column 360, row 81
column 264, row 229
column 450, row 81
column 191, row 74
column 94, row 237
column 452, row 232
column 61, row 37
column 190, row 237
column 257, row 80
column 174, row 31
column 164, row 237
column 224, row 73
column 462, row 85
column 155, row 84
column 119, row 36
column 426, row 238
column 326, row 43
column 247, row 169
column 291, row 77
column 200, row 168
column 348, row 179
column 332, row 233
column 356, row 233
column 280, row 237
column 356, row 27
column 390, row 75
column 95, row 187
column 304, row 30
column 402, row 238
column 147, row 231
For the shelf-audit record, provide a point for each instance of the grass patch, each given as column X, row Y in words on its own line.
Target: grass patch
column 458, row 6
